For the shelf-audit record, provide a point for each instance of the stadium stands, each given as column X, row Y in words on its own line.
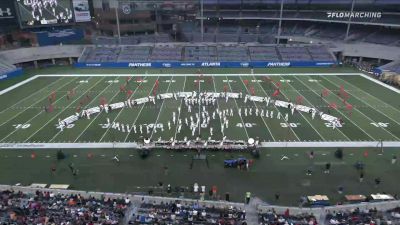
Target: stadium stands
column 178, row 213
column 272, row 218
column 49, row 208
column 202, row 53
column 134, row 53
column 161, row 53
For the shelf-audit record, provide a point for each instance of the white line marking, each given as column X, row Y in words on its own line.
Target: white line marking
column 159, row 113
column 338, row 110
column 241, row 118
column 137, row 116
column 59, row 113
column 41, row 99
column 84, row 130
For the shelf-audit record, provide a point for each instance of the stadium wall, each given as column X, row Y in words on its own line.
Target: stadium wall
column 11, row 74
column 168, row 64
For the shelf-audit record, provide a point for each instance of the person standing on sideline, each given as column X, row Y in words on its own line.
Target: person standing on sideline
column 377, row 181
column 327, row 168
column 394, row 159
column 248, row 196
column 361, row 176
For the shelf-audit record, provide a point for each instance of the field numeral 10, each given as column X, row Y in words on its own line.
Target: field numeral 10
column 22, row 126
column 380, row 124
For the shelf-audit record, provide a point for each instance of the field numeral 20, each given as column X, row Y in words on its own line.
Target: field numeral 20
column 22, row 126
column 285, row 125
column 380, row 124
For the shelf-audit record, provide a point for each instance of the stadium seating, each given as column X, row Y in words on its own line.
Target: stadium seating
column 233, row 53
column 134, row 53
column 162, row 53
column 50, row 208
column 294, row 53
column 177, row 213
column 272, row 218
column 263, row 53
column 201, row 53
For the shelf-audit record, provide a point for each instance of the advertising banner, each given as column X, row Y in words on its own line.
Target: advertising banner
column 8, row 15
column 81, row 10
column 169, row 64
column 59, row 36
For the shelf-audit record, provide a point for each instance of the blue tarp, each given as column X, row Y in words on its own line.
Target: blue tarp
column 11, row 74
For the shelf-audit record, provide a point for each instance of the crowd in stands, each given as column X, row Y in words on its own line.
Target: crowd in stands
column 356, row 216
column 272, row 218
column 59, row 209
column 178, row 213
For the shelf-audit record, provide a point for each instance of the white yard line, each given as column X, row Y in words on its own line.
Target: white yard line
column 315, row 107
column 215, row 90
column 198, row 79
column 31, row 119
column 104, row 134
column 340, row 112
column 18, row 85
column 137, row 116
column 161, row 108
column 368, row 118
column 31, row 95
column 374, row 98
column 41, row 99
column 93, row 99
column 380, row 83
column 299, row 112
column 61, row 111
column 180, row 106
column 241, row 118
column 266, row 125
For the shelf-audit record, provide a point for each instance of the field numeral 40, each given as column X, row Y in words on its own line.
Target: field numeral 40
column 380, row 124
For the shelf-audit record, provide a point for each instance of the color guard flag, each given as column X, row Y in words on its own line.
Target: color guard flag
column 325, row 92
column 129, row 93
column 278, row 84
column 246, row 82
column 103, row 100
column 276, row 93
column 252, row 91
column 299, row 100
column 122, row 88
column 333, row 105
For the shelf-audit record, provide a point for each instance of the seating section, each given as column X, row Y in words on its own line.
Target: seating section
column 166, row 54
column 356, row 216
column 294, row 54
column 202, row 53
column 273, row 218
column 177, row 213
column 134, row 53
column 319, row 53
column 233, row 53
column 50, row 208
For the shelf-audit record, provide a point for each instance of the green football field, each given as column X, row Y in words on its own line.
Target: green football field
column 374, row 118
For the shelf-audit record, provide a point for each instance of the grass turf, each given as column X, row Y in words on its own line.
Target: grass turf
column 373, row 104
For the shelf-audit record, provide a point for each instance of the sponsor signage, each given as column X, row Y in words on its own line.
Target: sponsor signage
column 81, row 10
column 206, row 64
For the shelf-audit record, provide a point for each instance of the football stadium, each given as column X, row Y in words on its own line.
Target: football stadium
column 199, row 112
